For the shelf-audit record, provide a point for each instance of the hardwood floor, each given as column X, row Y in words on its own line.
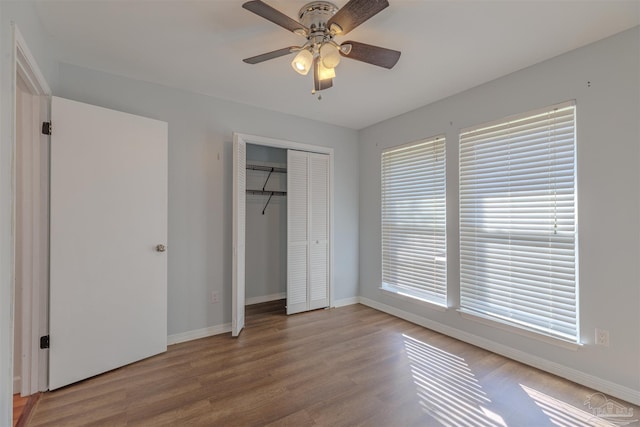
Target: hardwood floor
column 341, row 367
column 23, row 408
column 19, row 404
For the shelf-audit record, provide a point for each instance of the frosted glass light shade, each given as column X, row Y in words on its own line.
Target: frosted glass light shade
column 330, row 55
column 302, row 62
column 325, row 73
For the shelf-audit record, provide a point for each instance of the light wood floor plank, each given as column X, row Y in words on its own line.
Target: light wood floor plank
column 343, row 367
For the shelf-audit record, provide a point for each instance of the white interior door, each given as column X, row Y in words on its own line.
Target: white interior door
column 108, row 301
column 297, row 231
column 239, row 233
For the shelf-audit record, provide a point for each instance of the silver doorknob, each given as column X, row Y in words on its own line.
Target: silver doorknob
column 161, row 248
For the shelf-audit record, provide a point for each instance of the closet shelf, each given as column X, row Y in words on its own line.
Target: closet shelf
column 264, row 190
column 266, row 168
column 267, row 193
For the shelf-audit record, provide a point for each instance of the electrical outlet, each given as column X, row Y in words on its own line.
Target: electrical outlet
column 602, row 337
column 215, row 297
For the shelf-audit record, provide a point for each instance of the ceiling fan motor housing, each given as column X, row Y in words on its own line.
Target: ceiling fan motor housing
column 315, row 15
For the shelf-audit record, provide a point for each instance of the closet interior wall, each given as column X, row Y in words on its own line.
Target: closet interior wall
column 266, row 235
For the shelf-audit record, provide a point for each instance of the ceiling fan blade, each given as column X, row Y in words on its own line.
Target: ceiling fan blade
column 262, row 9
column 355, row 13
column 317, row 83
column 375, row 55
column 271, row 55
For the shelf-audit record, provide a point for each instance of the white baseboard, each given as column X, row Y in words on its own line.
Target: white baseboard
column 608, row 387
column 17, row 385
column 198, row 333
column 346, row 301
column 265, row 298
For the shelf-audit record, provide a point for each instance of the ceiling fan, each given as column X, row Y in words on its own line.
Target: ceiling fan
column 319, row 22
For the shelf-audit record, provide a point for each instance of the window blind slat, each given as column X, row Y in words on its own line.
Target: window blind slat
column 517, row 221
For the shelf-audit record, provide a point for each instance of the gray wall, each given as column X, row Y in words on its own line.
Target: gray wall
column 603, row 78
column 200, row 135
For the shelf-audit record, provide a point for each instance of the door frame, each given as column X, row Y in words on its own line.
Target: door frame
column 290, row 145
column 33, row 374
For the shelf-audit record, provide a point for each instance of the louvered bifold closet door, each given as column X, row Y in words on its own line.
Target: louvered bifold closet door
column 518, row 222
column 297, row 230
column 319, row 229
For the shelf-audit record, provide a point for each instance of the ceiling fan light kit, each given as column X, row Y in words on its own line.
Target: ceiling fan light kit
column 319, row 22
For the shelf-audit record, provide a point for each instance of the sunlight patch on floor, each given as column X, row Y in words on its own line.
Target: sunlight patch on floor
column 563, row 414
column 447, row 389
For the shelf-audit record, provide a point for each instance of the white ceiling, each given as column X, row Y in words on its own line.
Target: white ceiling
column 447, row 47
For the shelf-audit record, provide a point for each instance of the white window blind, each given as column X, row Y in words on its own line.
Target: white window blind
column 414, row 220
column 518, row 222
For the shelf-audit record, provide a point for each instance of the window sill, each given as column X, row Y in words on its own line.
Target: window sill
column 411, row 298
column 570, row 345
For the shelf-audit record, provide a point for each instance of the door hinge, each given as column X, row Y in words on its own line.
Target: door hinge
column 44, row 342
column 46, row 128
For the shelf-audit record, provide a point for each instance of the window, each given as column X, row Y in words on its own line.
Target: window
column 413, row 220
column 518, row 222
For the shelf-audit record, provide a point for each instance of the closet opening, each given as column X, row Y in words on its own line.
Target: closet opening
column 266, row 226
column 282, row 226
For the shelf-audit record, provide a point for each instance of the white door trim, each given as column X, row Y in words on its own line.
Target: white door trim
column 290, row 145
column 34, row 305
column 26, row 65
